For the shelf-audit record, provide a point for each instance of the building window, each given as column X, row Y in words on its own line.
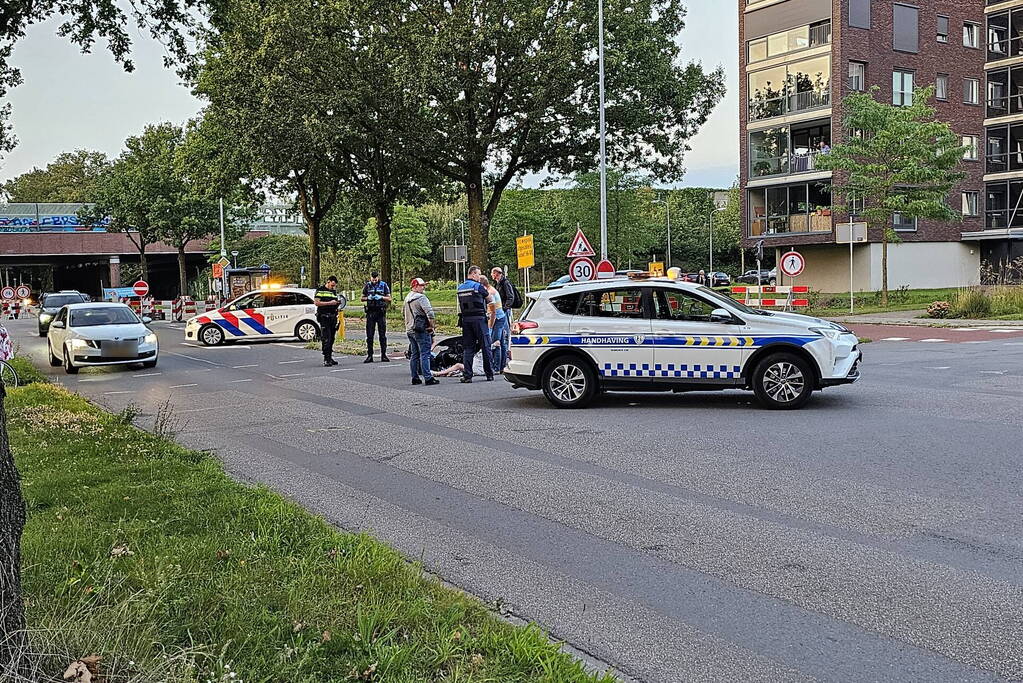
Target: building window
column 903, row 223
column 1003, row 204
column 793, row 40
column 971, row 35
column 970, row 202
column 971, row 90
column 941, row 87
column 857, row 76
column 902, row 88
column 942, row 29
column 1004, row 150
column 971, row 142
column 859, row 13
column 906, row 28
column 799, row 208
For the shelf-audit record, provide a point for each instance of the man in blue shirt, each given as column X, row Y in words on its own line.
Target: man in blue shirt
column 377, row 295
column 473, row 298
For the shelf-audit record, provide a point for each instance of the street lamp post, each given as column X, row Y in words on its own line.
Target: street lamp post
column 603, row 150
column 667, row 210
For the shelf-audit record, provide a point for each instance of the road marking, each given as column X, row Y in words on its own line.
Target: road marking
column 290, row 346
column 1012, row 344
column 238, row 367
column 343, row 370
column 216, row 348
column 1008, row 330
column 940, row 367
column 148, row 374
column 982, row 341
column 93, row 379
column 285, row 362
column 896, row 339
column 993, row 372
column 199, row 360
column 182, row 386
column 967, row 329
column 235, row 381
column 111, row 393
column 932, row 341
column 297, row 374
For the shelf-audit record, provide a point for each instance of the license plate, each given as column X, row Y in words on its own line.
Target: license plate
column 121, row 349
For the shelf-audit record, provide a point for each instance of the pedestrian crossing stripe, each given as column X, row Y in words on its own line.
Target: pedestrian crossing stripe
column 693, row 341
column 699, row 371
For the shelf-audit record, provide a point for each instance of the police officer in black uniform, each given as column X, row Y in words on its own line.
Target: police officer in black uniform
column 377, row 295
column 327, row 304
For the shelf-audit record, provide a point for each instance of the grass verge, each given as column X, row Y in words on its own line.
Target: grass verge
column 151, row 556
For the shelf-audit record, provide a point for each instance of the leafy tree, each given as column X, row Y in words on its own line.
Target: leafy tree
column 285, row 254
column 506, row 88
column 71, row 177
column 900, row 160
column 410, row 249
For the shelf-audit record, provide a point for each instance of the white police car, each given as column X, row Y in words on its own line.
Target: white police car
column 271, row 313
column 659, row 334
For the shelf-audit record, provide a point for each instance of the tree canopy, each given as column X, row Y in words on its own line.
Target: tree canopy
column 71, row 177
column 899, row 160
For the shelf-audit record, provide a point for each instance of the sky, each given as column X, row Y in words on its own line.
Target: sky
column 72, row 101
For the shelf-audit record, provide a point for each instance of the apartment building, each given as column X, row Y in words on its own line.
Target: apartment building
column 1001, row 239
column 798, row 60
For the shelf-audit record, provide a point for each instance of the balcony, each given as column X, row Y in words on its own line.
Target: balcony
column 768, row 107
column 804, row 37
column 797, row 162
column 788, row 149
column 803, row 208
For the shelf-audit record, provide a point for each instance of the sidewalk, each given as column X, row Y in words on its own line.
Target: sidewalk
column 915, row 318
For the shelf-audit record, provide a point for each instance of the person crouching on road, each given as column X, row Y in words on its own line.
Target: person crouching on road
column 377, row 295
column 419, row 324
column 327, row 304
column 497, row 321
column 473, row 299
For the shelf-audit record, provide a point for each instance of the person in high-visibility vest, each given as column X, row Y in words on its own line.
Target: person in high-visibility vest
column 327, row 305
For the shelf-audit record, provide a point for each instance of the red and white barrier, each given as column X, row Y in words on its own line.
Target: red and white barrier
column 767, row 296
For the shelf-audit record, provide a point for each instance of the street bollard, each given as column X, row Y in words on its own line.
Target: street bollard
column 341, row 325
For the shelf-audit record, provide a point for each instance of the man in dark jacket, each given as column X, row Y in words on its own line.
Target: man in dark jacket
column 327, row 305
column 376, row 295
column 473, row 298
column 504, row 288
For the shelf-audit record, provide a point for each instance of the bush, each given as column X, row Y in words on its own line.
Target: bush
column 1007, row 300
column 972, row 303
column 939, row 309
column 27, row 372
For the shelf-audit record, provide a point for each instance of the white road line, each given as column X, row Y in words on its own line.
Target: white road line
column 235, row 381
column 343, row 370
column 1012, row 344
column 966, row 329
column 297, row 374
column 238, row 367
column 981, row 341
column 1006, row 331
column 200, row 360
column 992, row 372
column 209, row 408
column 932, row 341
column 217, row 348
column 111, row 393
column 940, row 367
column 895, row 339
column 290, row 346
column 148, row 374
column 285, row 362
column 93, row 379
column 182, row 386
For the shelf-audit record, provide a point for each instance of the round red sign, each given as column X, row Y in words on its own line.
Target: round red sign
column 141, row 288
column 605, row 269
column 581, row 269
column 792, row 263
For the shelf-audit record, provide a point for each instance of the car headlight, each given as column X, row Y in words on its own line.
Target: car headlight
column 150, row 338
column 830, row 332
column 45, row 317
column 84, row 343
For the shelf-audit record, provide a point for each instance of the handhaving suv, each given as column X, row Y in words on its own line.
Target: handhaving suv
column 659, row 334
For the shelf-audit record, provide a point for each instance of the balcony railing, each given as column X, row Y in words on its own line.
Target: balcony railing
column 799, row 162
column 820, row 34
column 792, row 223
column 766, row 108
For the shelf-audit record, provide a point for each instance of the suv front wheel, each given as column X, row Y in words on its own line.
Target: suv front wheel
column 568, row 382
column 783, row 381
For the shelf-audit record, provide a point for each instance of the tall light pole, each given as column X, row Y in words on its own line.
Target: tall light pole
column 666, row 200
column 603, row 150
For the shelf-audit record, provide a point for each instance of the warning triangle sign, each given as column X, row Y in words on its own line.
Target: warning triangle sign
column 580, row 246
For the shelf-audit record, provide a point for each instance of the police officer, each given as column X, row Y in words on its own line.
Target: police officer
column 327, row 304
column 377, row 295
column 473, row 298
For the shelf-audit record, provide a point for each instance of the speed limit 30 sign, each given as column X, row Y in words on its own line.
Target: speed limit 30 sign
column 581, row 269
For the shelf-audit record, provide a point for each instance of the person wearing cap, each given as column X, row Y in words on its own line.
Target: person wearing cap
column 377, row 295
column 419, row 324
column 327, row 304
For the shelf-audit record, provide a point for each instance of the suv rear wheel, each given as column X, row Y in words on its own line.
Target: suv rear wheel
column 568, row 382
column 783, row 381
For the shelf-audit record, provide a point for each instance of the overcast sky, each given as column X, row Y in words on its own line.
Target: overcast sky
column 71, row 100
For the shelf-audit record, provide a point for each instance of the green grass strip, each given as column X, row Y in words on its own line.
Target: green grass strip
column 151, row 556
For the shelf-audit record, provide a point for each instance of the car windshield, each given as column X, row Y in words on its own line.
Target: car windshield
column 58, row 300
column 106, row 315
column 721, row 298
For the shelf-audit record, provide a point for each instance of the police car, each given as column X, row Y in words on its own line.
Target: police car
column 271, row 313
column 658, row 334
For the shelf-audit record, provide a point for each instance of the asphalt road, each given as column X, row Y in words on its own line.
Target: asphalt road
column 876, row 535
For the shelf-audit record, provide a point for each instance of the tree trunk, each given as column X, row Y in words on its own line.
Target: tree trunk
column 479, row 222
column 884, row 268
column 182, row 272
column 312, row 224
column 142, row 263
column 383, row 213
column 13, row 636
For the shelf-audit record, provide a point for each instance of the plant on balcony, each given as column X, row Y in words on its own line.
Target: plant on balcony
column 903, row 162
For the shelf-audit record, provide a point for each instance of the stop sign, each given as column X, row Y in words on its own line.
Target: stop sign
column 605, row 269
column 141, row 288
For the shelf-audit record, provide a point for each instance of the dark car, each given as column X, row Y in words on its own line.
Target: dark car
column 51, row 302
column 720, row 279
column 767, row 277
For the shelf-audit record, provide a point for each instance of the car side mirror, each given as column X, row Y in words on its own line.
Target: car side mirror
column 58, row 324
column 146, row 320
column 720, row 315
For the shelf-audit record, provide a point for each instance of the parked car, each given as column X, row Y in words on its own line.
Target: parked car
column 272, row 313
column 83, row 334
column 767, row 277
column 51, row 302
column 720, row 279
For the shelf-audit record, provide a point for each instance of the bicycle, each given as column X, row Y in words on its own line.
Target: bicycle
column 8, row 374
